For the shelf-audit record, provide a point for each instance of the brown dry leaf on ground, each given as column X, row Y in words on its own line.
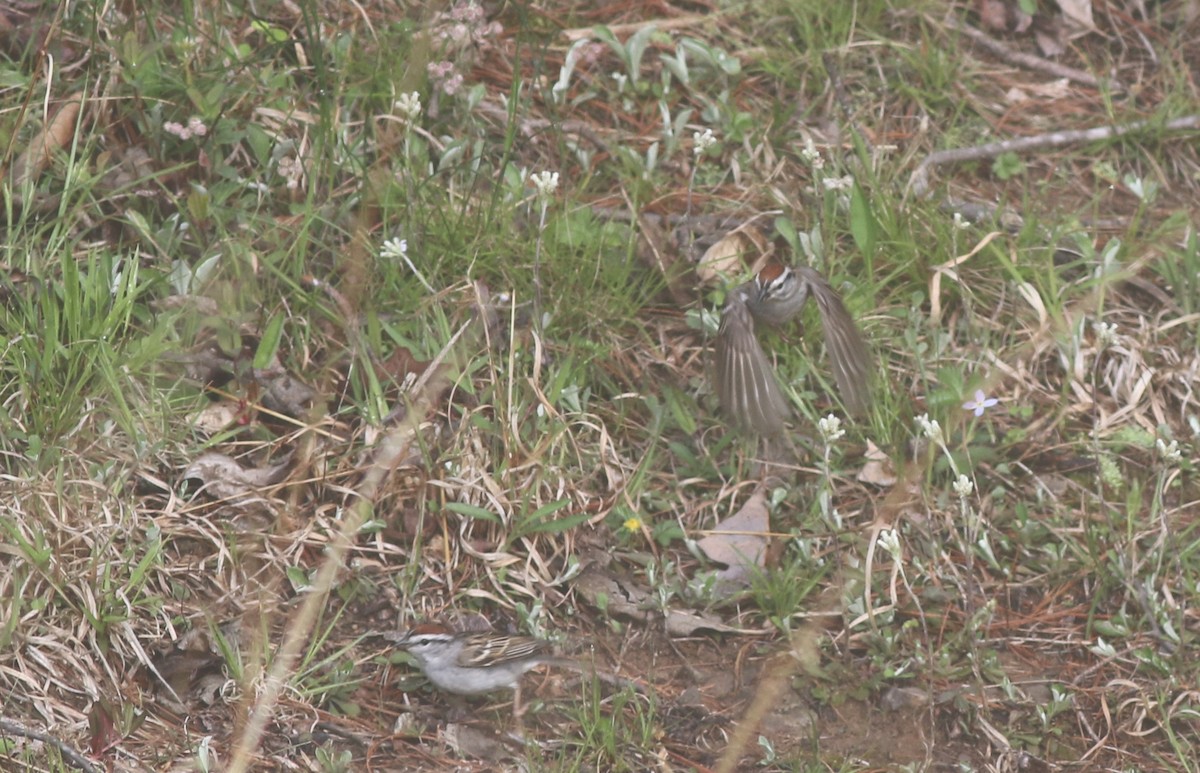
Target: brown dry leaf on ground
column 740, row 543
column 878, row 469
column 727, row 257
column 1077, row 14
column 282, row 392
column 222, row 477
column 215, row 417
column 724, row 258
column 57, row 135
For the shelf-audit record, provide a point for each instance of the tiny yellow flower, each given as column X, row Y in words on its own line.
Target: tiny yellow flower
column 632, row 524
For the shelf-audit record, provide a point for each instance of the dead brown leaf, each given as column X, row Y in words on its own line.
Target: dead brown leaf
column 879, row 469
column 400, row 365
column 725, row 257
column 1077, row 17
column 282, row 392
column 215, row 417
column 728, row 255
column 739, row 542
column 56, row 135
column 1051, row 38
column 223, row 478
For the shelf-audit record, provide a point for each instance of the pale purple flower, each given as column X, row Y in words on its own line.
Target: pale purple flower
column 451, row 85
column 590, row 53
column 195, row 128
column 464, row 23
column 178, row 129
column 981, row 403
column 439, row 70
column 291, row 170
column 445, row 77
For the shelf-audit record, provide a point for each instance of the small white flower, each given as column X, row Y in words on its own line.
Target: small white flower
column 830, row 428
column 812, row 155
column 1146, row 191
column 1105, row 332
column 981, row 403
column 397, row 249
column 963, row 487
column 960, row 222
column 702, row 141
column 889, row 540
column 1169, row 452
column 930, row 427
column 409, row 106
column 546, row 183
column 394, row 249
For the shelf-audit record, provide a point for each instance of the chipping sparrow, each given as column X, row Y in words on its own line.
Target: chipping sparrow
column 473, row 663
column 746, row 383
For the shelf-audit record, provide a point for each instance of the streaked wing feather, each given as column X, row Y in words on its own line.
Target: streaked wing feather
column 745, row 380
column 850, row 359
column 488, row 649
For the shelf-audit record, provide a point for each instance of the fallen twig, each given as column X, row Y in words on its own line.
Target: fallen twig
column 69, row 754
column 918, row 183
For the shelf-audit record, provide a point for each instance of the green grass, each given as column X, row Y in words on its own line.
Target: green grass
column 154, row 278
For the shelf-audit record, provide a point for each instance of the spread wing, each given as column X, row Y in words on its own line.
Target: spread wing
column 746, row 383
column 850, row 359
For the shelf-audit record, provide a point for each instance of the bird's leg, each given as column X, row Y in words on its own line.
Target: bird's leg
column 518, row 710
